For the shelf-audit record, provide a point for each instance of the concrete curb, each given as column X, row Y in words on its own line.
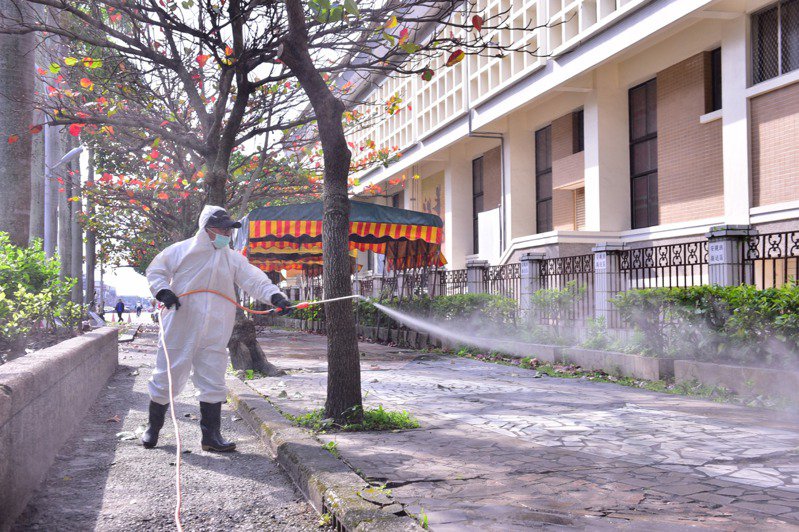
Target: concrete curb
column 327, row 482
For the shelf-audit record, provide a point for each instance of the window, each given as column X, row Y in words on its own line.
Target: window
column 644, row 154
column 543, row 180
column 477, row 200
column 577, row 131
column 775, row 40
column 714, row 82
column 395, row 200
column 579, row 209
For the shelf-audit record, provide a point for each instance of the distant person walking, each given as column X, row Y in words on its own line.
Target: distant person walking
column 120, row 308
column 138, row 309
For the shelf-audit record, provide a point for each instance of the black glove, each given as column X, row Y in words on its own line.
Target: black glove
column 282, row 304
column 168, row 298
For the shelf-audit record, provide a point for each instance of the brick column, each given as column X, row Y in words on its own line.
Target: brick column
column 531, row 279
column 607, row 279
column 475, row 276
column 725, row 252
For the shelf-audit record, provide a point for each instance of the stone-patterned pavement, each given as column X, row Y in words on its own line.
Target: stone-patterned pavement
column 500, row 449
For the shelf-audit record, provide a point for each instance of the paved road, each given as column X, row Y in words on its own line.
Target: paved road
column 502, row 450
column 100, row 481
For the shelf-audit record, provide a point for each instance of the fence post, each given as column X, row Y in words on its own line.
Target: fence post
column 532, row 281
column 725, row 254
column 434, row 283
column 475, row 276
column 607, row 280
column 377, row 286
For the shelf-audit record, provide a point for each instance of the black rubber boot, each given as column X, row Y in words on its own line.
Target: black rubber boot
column 210, row 423
column 157, row 412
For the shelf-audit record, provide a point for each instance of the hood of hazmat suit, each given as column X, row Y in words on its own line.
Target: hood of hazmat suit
column 196, row 335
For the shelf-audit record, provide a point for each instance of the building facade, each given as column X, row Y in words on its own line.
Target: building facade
column 636, row 123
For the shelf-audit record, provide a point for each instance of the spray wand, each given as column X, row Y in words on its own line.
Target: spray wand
column 178, row 446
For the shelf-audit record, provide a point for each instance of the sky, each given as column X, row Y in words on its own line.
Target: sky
column 126, row 282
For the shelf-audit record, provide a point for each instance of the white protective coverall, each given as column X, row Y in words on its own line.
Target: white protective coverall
column 197, row 334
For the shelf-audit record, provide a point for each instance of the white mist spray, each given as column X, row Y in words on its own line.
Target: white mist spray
column 453, row 335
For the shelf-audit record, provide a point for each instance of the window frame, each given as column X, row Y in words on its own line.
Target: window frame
column 715, row 87
column 653, row 206
column 578, row 131
column 757, row 43
column 540, row 171
column 477, row 163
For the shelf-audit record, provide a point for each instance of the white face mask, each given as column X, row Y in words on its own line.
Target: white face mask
column 221, row 241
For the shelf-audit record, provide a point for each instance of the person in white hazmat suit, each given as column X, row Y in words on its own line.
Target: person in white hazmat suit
column 197, row 327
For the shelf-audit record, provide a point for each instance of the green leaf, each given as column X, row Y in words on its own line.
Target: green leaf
column 389, row 38
column 55, row 68
column 410, row 47
column 325, row 4
column 336, row 14
column 352, row 7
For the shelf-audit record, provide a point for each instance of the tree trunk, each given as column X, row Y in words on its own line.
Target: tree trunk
column 16, row 113
column 91, row 253
column 64, row 215
column 76, row 231
column 216, row 187
column 245, row 353
column 344, row 401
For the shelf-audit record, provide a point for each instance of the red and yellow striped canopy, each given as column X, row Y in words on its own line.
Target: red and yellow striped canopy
column 290, row 237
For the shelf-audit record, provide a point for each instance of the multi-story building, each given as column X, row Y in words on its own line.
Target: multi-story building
column 639, row 123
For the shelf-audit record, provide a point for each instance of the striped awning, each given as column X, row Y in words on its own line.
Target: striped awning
column 290, row 237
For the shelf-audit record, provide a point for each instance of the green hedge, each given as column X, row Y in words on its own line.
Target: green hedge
column 741, row 323
column 32, row 298
column 486, row 309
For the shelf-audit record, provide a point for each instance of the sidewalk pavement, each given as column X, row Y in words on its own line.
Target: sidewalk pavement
column 103, row 479
column 502, row 450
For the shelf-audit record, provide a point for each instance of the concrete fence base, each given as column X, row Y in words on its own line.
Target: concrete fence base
column 775, row 383
column 43, row 397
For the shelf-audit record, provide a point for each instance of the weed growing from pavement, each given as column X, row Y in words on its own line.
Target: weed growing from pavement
column 570, row 371
column 423, row 519
column 325, row 520
column 374, row 419
column 332, row 448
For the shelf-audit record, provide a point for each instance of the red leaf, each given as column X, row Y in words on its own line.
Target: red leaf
column 427, row 75
column 13, row 138
column 202, row 59
column 455, row 58
column 36, row 129
column 163, row 195
column 154, row 154
column 477, row 21
column 75, row 129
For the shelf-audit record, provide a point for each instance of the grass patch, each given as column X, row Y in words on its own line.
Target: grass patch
column 374, row 419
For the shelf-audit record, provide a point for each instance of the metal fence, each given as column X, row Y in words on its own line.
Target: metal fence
column 364, row 287
column 453, row 282
column 504, row 280
column 674, row 265
column 772, row 259
column 558, row 273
